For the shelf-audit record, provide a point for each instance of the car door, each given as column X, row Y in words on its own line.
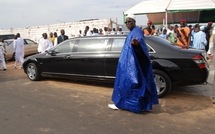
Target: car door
column 88, row 60
column 30, row 47
column 58, row 59
column 112, row 56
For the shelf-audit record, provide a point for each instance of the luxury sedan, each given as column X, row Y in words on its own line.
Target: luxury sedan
column 30, row 48
column 96, row 58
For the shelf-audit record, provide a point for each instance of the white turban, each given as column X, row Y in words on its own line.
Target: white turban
column 131, row 16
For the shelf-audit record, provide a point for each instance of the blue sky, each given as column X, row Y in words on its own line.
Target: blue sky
column 25, row 13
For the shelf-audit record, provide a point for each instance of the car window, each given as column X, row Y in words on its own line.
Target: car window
column 65, row 47
column 29, row 41
column 92, row 45
column 7, row 36
column 8, row 42
column 150, row 49
column 117, row 44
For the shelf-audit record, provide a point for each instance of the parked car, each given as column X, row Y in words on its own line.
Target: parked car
column 30, row 48
column 96, row 58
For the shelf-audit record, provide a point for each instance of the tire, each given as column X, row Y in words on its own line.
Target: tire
column 32, row 72
column 163, row 83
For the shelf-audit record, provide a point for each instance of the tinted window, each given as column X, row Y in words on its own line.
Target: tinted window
column 117, row 44
column 65, row 47
column 150, row 49
column 92, row 45
column 7, row 36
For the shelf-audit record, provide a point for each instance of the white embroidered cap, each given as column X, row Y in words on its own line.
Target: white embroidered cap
column 131, row 16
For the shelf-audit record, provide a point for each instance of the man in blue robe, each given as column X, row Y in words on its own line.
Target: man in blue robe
column 134, row 87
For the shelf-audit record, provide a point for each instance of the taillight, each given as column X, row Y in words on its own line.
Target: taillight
column 200, row 61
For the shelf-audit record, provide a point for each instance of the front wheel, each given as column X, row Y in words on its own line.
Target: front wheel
column 33, row 72
column 163, row 82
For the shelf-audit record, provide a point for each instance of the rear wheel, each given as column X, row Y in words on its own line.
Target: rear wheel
column 33, row 72
column 163, row 82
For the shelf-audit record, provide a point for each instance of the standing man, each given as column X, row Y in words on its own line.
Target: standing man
column 55, row 38
column 87, row 31
column 51, row 37
column 208, row 31
column 134, row 87
column 149, row 30
column 62, row 37
column 2, row 55
column 183, row 35
column 19, row 51
column 199, row 38
column 45, row 43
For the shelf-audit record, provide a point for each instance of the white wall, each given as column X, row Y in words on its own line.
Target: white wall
column 71, row 28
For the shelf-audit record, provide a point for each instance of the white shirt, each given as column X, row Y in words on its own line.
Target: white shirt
column 1, row 50
column 44, row 45
column 55, row 41
column 19, row 47
column 89, row 33
column 199, row 40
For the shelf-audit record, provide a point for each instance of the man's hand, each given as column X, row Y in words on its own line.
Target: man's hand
column 135, row 42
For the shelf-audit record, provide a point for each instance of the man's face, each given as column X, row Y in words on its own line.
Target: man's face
column 62, row 32
column 129, row 23
column 210, row 25
column 149, row 24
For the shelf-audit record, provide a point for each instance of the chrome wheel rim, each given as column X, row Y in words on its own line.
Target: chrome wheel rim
column 160, row 84
column 31, row 72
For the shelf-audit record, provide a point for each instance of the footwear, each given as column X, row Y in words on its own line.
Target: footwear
column 112, row 106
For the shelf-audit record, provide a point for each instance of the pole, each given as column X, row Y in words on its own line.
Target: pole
column 166, row 18
column 213, row 98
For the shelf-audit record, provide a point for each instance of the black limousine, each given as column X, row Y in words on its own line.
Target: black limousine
column 96, row 58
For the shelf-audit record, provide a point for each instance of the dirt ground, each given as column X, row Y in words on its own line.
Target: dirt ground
column 184, row 110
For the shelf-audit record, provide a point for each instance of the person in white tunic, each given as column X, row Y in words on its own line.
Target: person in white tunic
column 44, row 44
column 2, row 58
column 199, row 38
column 19, row 51
column 211, row 46
column 40, row 41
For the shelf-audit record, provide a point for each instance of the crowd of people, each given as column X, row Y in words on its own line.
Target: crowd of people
column 197, row 36
column 100, row 31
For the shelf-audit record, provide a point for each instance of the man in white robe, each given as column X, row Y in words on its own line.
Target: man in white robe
column 19, row 51
column 2, row 58
column 45, row 44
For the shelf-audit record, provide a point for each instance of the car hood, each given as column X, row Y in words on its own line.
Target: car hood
column 35, row 56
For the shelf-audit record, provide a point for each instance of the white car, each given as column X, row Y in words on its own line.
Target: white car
column 30, row 48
